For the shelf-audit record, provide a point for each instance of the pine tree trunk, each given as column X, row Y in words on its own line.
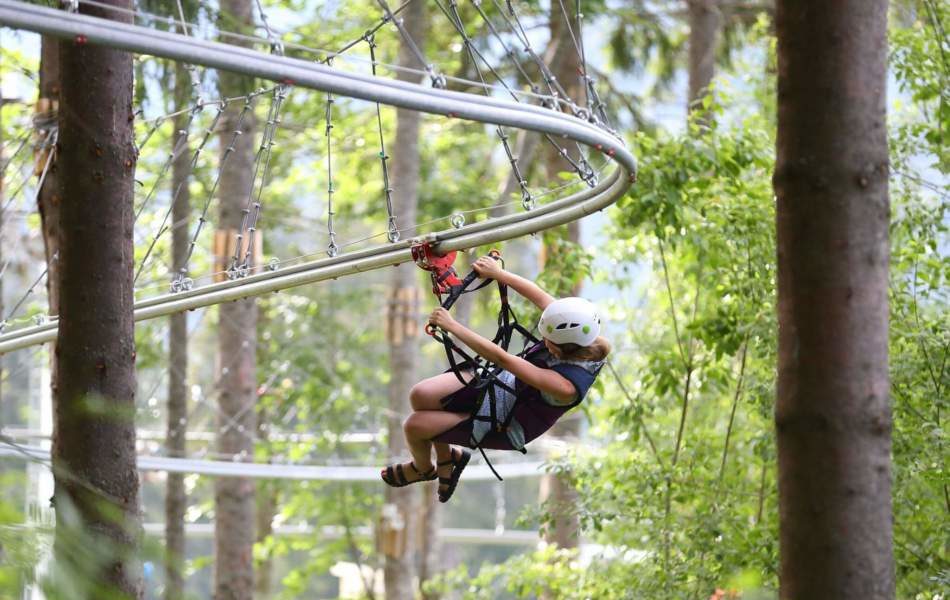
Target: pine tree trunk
column 266, row 510
column 430, row 542
column 403, row 321
column 176, row 501
column 237, row 326
column 48, row 202
column 704, row 24
column 267, row 504
column 96, row 482
column 557, row 489
column 47, row 199
column 832, row 412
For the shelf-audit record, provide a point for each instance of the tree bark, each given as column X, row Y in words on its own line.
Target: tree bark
column 267, row 503
column 176, row 501
column 704, row 25
column 557, row 490
column 266, row 511
column 832, row 413
column 430, row 543
column 48, row 202
column 47, row 199
column 403, row 321
column 98, row 523
column 237, row 326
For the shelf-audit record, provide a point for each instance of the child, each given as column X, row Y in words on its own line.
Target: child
column 552, row 378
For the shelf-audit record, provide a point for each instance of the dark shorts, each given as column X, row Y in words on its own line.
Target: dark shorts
column 466, row 400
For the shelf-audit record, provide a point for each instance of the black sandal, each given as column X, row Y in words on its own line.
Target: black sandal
column 457, row 467
column 394, row 476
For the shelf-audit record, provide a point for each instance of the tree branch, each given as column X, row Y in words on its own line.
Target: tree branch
column 643, row 425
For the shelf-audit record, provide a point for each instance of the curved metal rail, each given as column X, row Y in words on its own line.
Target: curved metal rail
column 221, row 468
column 142, row 40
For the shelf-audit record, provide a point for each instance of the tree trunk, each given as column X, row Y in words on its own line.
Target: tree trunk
column 266, row 510
column 176, row 501
column 832, row 413
column 47, row 199
column 48, row 202
column 557, row 489
column 237, row 326
column 403, row 327
column 704, row 26
column 98, row 524
column 430, row 542
column 267, row 504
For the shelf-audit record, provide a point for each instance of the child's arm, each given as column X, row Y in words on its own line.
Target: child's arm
column 546, row 380
column 489, row 268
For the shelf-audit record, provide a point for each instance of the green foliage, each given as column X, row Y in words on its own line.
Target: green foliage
column 920, row 58
column 677, row 484
column 681, row 486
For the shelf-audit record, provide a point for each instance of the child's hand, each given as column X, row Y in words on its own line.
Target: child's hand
column 488, row 268
column 441, row 318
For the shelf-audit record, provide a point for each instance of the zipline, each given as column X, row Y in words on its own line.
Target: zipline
column 453, row 535
column 220, row 468
column 288, row 71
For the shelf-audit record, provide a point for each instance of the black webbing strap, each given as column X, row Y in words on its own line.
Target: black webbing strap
column 485, row 374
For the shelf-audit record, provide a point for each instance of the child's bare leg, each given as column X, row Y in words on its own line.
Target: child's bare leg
column 428, row 393
column 443, row 452
column 421, row 427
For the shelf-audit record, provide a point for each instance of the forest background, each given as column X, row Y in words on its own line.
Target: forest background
column 664, row 486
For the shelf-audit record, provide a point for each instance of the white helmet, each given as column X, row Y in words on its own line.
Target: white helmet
column 570, row 321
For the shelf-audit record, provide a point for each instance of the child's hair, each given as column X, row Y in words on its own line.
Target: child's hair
column 597, row 351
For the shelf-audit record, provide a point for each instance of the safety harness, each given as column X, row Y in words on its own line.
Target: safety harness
column 485, row 374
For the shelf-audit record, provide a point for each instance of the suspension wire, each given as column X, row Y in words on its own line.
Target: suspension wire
column 371, row 32
column 276, row 45
column 581, row 165
column 23, row 139
column 180, row 144
column 251, row 212
column 49, row 140
column 570, row 28
column 182, row 282
column 514, row 24
column 240, row 265
column 456, row 19
column 438, row 80
column 157, row 121
column 510, row 53
column 193, row 164
column 151, row 17
column 579, row 42
column 151, row 130
column 29, row 292
column 392, row 232
column 333, row 249
column 537, row 194
column 595, row 105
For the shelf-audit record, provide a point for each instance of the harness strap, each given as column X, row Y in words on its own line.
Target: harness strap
column 485, row 376
column 488, row 462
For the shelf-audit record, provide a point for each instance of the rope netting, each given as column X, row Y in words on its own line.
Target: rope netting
column 506, row 63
